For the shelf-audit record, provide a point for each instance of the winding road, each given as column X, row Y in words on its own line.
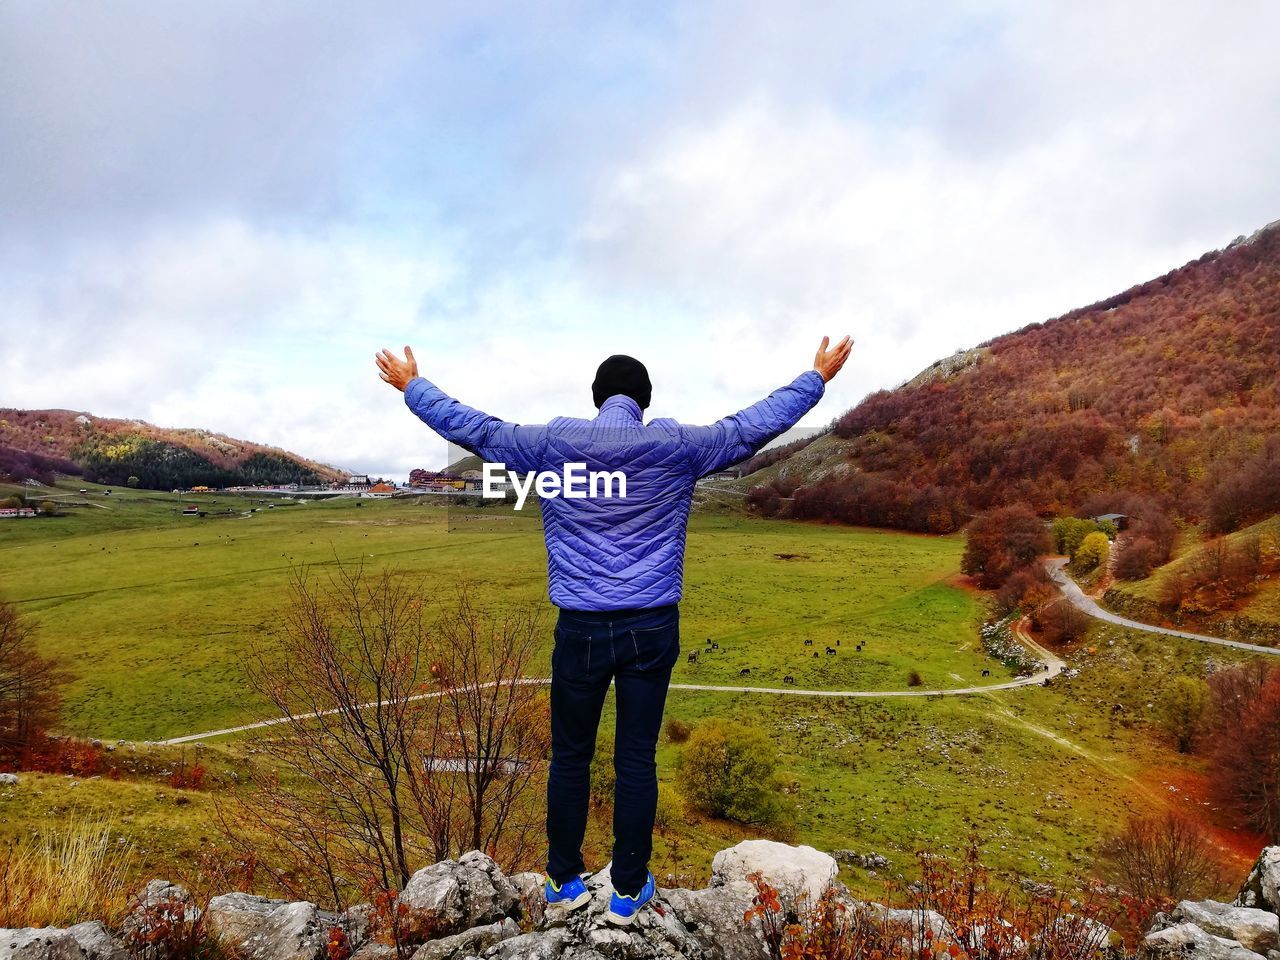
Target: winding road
column 1081, row 601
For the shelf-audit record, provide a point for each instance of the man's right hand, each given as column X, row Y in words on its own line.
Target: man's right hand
column 829, row 361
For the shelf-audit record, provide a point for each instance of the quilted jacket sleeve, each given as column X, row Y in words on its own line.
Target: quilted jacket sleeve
column 742, row 434
column 520, row 447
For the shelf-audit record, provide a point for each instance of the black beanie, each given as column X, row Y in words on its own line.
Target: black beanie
column 625, row 375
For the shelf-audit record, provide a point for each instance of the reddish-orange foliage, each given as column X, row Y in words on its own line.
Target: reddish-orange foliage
column 1169, row 389
column 1246, row 744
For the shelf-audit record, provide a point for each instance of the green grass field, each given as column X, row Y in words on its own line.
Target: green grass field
column 155, row 610
column 155, row 626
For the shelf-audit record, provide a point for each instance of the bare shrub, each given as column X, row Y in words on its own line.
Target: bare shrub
column 401, row 741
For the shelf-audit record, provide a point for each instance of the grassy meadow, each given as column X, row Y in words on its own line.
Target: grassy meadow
column 155, row 611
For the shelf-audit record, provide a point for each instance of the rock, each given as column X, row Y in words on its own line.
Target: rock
column 456, row 895
column 714, row 917
column 1186, row 941
column 529, row 885
column 375, row 951
column 257, row 928
column 868, row 861
column 792, row 870
column 1262, row 888
column 541, row 945
column 39, row 943
column 84, row 941
column 468, row 943
column 914, row 922
column 8, row 779
column 1256, row 930
column 96, row 942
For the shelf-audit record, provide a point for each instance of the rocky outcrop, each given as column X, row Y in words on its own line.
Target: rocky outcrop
column 263, row 929
column 1248, row 929
column 455, row 895
column 1262, row 888
column 467, row 909
column 84, row 941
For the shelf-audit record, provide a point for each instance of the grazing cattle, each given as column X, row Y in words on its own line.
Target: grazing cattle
column 986, row 673
column 788, row 679
column 715, row 646
column 808, row 643
column 693, row 657
column 831, row 651
column 745, row 671
column 815, row 654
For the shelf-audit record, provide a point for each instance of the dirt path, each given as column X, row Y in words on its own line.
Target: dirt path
column 1051, row 667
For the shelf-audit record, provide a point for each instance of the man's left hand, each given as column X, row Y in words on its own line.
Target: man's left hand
column 395, row 371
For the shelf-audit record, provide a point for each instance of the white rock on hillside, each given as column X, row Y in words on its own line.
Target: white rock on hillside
column 8, row 779
column 1256, row 930
column 1262, row 888
column 791, row 870
column 1188, row 940
column 257, row 928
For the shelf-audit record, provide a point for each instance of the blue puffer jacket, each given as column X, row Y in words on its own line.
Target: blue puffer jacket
column 617, row 553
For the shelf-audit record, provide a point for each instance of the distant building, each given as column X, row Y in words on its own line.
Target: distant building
column 192, row 511
column 17, row 511
column 1118, row 520
column 359, row 480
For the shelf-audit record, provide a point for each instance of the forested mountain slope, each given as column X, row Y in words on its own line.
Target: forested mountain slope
column 1170, row 389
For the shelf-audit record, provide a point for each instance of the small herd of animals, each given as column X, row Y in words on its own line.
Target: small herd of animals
column 712, row 647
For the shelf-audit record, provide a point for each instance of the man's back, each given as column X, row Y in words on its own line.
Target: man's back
column 617, row 552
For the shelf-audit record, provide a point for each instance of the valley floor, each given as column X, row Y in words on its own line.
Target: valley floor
column 156, row 610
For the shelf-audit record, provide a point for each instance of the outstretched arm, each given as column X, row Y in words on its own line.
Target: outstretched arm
column 519, row 447
column 742, row 434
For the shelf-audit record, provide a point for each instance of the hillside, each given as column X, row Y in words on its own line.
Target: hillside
column 1169, row 389
column 36, row 444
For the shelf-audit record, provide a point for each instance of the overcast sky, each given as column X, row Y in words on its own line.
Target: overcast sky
column 214, row 214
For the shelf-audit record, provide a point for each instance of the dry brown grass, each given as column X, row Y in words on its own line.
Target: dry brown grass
column 62, row 879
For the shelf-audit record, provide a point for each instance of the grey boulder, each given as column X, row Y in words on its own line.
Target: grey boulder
column 1186, row 941
column 468, row 943
column 258, row 928
column 1262, row 888
column 714, row 917
column 84, row 941
column 1256, row 930
column 455, row 895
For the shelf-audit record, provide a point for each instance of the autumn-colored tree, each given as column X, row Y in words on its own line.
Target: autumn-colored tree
column 1136, row 557
column 1060, row 621
column 999, row 543
column 1183, row 711
column 1246, row 756
column 30, row 686
column 1092, row 552
column 1162, row 859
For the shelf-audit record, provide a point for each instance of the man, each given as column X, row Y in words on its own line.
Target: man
column 615, row 567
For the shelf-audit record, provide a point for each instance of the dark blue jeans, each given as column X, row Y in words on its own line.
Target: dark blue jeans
column 636, row 649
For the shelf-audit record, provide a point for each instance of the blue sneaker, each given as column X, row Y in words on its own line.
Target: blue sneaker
column 570, row 895
column 623, row 909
